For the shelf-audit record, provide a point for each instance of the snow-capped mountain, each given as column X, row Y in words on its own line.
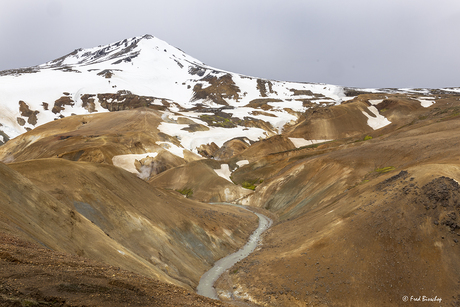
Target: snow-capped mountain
column 146, row 71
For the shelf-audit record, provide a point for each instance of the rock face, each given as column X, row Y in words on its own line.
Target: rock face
column 149, row 167
column 230, row 149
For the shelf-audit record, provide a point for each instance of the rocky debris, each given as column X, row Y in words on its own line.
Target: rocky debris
column 208, row 150
column 219, row 89
column 27, row 112
column 60, row 103
column 231, row 148
column 21, row 121
column 262, row 103
column 441, row 199
column 88, row 102
column 3, row 137
column 221, row 119
column 124, row 101
column 195, row 127
column 402, row 175
column 149, row 167
column 265, row 86
column 106, row 73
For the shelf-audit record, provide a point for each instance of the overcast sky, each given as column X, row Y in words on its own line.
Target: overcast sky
column 359, row 43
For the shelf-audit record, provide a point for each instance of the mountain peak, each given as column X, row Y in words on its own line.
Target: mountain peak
column 115, row 53
column 94, row 79
column 148, row 36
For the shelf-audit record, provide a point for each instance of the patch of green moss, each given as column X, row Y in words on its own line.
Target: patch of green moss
column 219, row 121
column 251, row 184
column 248, row 185
column 28, row 302
column 385, row 169
column 310, row 146
column 367, row 137
column 187, row 192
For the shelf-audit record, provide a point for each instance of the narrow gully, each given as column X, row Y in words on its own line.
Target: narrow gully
column 206, row 284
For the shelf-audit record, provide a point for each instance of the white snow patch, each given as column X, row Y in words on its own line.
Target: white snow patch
column 375, row 102
column 427, row 102
column 294, row 105
column 224, row 172
column 348, row 98
column 242, row 163
column 1, row 138
column 377, row 122
column 126, row 162
column 300, row 142
column 174, row 149
column 278, row 121
column 452, row 89
column 123, row 253
column 218, row 135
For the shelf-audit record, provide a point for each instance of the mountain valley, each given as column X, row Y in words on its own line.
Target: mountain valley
column 114, row 161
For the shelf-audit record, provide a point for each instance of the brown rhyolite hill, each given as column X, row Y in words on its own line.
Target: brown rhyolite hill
column 110, row 215
column 35, row 276
column 362, row 223
column 364, row 219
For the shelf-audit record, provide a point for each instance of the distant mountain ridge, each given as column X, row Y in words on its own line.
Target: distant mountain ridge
column 145, row 71
column 145, row 67
column 116, row 53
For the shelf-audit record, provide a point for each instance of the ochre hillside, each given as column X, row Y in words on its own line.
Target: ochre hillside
column 114, row 179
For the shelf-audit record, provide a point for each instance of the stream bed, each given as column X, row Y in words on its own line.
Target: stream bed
column 206, row 285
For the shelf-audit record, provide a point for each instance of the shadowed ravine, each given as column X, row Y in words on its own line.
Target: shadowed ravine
column 206, row 285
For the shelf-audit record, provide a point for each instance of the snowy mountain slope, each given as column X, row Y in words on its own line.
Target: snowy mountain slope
column 146, row 71
column 150, row 70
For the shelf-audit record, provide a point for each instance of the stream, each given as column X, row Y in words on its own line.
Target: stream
column 206, row 285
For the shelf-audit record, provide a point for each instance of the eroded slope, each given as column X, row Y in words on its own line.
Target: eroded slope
column 362, row 222
column 110, row 215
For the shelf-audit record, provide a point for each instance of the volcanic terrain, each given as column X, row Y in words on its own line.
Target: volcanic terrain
column 114, row 160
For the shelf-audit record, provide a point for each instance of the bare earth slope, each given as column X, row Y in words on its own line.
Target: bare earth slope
column 361, row 223
column 110, row 215
column 35, row 276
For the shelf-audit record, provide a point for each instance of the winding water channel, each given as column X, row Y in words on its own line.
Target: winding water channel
column 206, row 285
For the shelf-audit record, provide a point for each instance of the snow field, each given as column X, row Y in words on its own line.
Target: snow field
column 126, row 162
column 427, row 102
column 175, row 150
column 377, row 121
column 218, row 135
column 300, row 142
column 242, row 163
column 224, row 172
